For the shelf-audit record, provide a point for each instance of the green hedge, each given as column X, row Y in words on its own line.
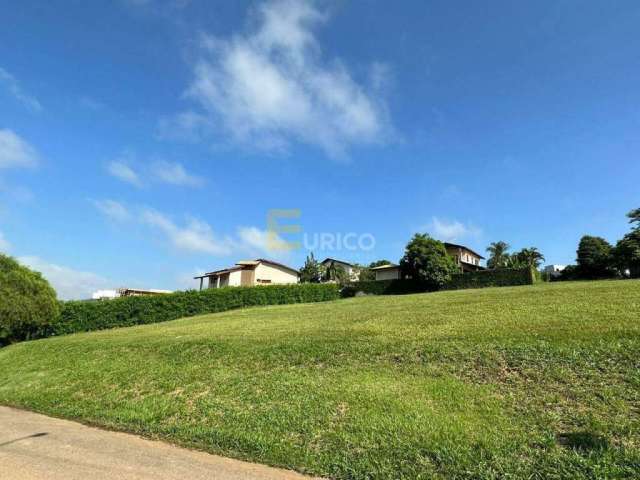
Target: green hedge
column 127, row 311
column 479, row 279
column 492, row 278
column 384, row 287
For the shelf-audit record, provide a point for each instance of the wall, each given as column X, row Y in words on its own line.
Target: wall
column 388, row 274
column 277, row 275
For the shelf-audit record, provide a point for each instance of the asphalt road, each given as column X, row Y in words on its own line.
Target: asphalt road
column 36, row 447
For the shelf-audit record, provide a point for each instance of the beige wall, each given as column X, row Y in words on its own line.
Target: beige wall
column 235, row 278
column 265, row 271
column 388, row 274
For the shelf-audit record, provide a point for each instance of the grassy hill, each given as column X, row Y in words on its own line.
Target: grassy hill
column 540, row 381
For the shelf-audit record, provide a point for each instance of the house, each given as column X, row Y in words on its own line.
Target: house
column 139, row 292
column 554, row 270
column 465, row 258
column 248, row 273
column 353, row 273
column 389, row 271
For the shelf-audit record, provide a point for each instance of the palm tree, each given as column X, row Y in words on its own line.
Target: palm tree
column 531, row 257
column 498, row 254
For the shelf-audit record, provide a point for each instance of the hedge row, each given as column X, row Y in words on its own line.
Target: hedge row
column 479, row 279
column 127, row 311
column 492, row 278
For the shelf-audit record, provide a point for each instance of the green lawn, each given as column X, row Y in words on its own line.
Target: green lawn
column 524, row 382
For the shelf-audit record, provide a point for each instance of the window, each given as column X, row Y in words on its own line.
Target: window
column 262, row 281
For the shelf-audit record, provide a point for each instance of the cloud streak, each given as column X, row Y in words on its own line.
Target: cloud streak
column 452, row 230
column 271, row 86
column 16, row 152
column 14, row 88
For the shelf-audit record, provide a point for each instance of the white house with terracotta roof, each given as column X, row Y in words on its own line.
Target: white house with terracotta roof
column 353, row 273
column 248, row 273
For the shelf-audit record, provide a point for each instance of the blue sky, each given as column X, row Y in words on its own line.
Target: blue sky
column 142, row 142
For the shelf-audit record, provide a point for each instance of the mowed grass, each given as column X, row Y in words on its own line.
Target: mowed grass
column 525, row 382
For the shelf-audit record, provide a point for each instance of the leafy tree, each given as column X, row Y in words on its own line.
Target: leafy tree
column 594, row 257
column 627, row 251
column 28, row 304
column 312, row 271
column 425, row 259
column 335, row 273
column 634, row 217
column 498, row 256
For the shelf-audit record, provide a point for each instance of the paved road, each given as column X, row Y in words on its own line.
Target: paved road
column 36, row 447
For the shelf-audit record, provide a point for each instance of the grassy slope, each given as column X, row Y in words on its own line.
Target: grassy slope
column 538, row 381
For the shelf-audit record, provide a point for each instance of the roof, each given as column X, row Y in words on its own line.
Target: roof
column 242, row 264
column 455, row 245
column 336, row 261
column 385, row 267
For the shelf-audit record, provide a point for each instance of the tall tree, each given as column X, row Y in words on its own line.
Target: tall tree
column 498, row 255
column 28, row 304
column 594, row 257
column 425, row 259
column 311, row 272
column 634, row 217
column 531, row 257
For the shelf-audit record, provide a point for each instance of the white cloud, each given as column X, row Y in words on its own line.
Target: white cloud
column 271, row 86
column 452, row 230
column 15, row 152
column 5, row 246
column 112, row 209
column 175, row 174
column 196, row 236
column 122, row 171
column 255, row 241
column 68, row 283
column 12, row 85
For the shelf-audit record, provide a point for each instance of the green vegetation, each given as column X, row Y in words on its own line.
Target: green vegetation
column 503, row 277
column 426, row 260
column 27, row 302
column 540, row 381
column 129, row 311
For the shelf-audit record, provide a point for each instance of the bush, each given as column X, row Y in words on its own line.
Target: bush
column 426, row 260
column 493, row 278
column 385, row 287
column 479, row 279
column 28, row 304
column 128, row 311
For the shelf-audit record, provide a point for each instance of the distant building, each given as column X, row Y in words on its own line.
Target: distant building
column 110, row 294
column 465, row 258
column 249, row 273
column 554, row 270
column 105, row 294
column 139, row 292
column 353, row 273
column 389, row 271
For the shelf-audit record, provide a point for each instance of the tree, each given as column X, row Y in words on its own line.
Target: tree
column 634, row 217
column 498, row 256
column 335, row 273
column 627, row 250
column 594, row 257
column 27, row 302
column 312, row 271
column 530, row 257
column 425, row 259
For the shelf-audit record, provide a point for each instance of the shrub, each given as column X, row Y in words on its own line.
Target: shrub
column 595, row 259
column 426, row 260
column 128, row 311
column 493, row 278
column 480, row 279
column 28, row 304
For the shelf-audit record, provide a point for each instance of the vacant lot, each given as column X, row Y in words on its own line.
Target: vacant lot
column 540, row 381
